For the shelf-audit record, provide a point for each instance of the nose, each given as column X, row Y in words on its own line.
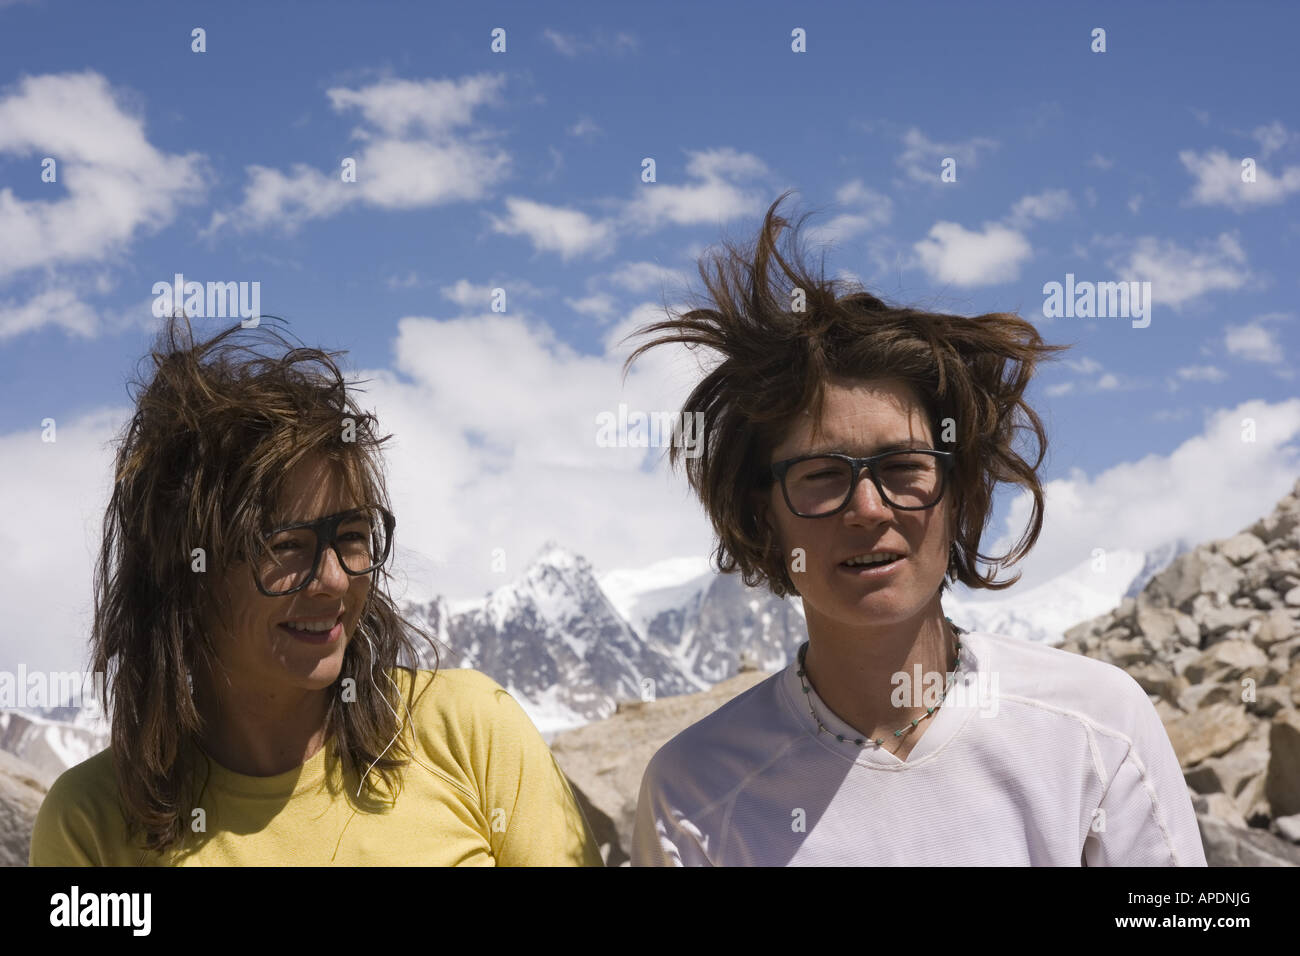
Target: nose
column 866, row 502
column 330, row 577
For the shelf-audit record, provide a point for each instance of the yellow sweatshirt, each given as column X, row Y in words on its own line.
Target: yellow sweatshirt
column 482, row 789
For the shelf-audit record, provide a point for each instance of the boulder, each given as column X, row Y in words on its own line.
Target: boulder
column 1282, row 785
column 1208, row 732
column 1225, row 661
column 1240, row 548
column 21, row 791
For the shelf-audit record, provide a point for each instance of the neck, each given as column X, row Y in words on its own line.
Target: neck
column 260, row 732
column 852, row 668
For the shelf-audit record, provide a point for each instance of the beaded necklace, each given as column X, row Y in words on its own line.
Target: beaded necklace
column 860, row 741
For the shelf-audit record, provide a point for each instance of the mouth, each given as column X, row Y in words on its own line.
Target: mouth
column 305, row 630
column 871, row 571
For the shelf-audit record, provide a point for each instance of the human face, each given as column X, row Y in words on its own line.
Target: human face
column 859, row 417
column 257, row 650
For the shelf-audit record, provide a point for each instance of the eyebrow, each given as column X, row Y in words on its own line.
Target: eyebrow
column 901, row 445
column 291, row 522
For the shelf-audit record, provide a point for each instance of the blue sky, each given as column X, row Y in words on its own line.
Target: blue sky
column 522, row 170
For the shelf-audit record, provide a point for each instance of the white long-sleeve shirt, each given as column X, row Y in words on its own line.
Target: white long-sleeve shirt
column 1037, row 757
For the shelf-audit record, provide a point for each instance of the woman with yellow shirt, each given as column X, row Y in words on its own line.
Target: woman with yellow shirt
column 264, row 705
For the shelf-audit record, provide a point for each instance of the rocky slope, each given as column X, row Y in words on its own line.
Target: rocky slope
column 22, row 788
column 1214, row 639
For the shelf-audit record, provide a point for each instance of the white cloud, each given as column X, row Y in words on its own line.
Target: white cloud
column 1049, row 204
column 467, row 295
column 1211, row 486
column 113, row 186
column 1135, row 203
column 413, row 153
column 921, row 156
column 47, row 548
column 1178, row 274
column 598, row 305
column 411, row 280
column 584, row 128
column 53, row 306
column 873, row 210
column 714, row 198
column 1201, row 373
column 600, row 41
column 1253, row 343
column 711, row 198
column 1218, row 181
column 563, row 44
column 570, row 232
column 419, row 109
column 643, row 276
column 1271, row 137
column 1100, row 162
column 1083, row 365
column 953, row 254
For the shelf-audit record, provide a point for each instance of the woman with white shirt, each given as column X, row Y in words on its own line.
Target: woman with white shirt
column 850, row 455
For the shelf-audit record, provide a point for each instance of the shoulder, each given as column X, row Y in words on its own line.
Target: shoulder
column 79, row 810
column 714, row 756
column 461, row 704
column 1072, row 685
column 85, row 786
column 452, row 692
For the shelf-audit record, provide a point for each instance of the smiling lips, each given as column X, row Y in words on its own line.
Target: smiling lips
column 318, row 631
column 868, row 559
column 313, row 623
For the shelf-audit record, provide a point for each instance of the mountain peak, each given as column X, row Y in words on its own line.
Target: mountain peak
column 553, row 554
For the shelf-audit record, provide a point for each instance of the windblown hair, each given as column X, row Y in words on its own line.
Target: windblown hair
column 202, row 465
column 773, row 363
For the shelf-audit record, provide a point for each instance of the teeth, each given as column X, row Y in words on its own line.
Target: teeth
column 876, row 557
column 314, row 628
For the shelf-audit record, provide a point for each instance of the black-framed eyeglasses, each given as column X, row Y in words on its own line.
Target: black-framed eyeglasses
column 818, row 486
column 360, row 538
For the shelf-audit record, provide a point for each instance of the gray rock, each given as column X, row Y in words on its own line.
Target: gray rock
column 1122, row 652
column 1220, row 620
column 21, row 791
column 1282, row 786
column 1288, row 828
column 1227, row 845
column 1240, row 548
column 1204, row 695
column 1269, row 701
column 1225, row 661
column 1278, row 625
column 1283, row 521
column 1208, row 732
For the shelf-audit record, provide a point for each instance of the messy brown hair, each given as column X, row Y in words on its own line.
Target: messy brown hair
column 773, row 363
column 202, row 464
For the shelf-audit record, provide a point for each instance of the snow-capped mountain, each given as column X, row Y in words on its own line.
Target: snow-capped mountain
column 52, row 746
column 1044, row 613
column 557, row 643
column 570, row 646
